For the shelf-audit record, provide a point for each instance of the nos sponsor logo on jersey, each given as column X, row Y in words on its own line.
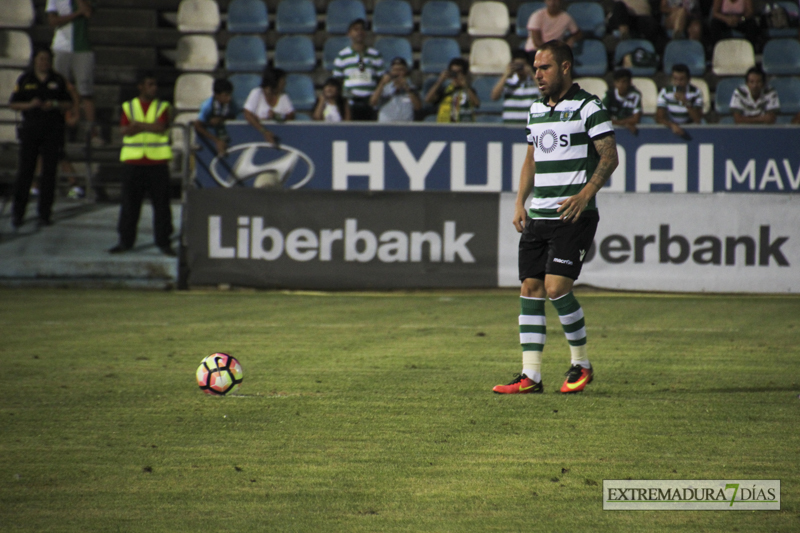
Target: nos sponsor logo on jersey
column 549, row 140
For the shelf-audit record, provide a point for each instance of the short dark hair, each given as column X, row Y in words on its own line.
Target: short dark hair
column 333, row 81
column 400, row 60
column 461, row 62
column 519, row 53
column 222, row 86
column 756, row 70
column 680, row 67
column 39, row 49
column 560, row 50
column 145, row 74
column 622, row 73
column 357, row 21
column 271, row 77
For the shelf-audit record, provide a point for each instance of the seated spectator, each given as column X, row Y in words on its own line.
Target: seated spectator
column 269, row 102
column 331, row 105
column 755, row 102
column 210, row 123
column 679, row 103
column 550, row 23
column 457, row 100
column 517, row 88
column 729, row 15
column 360, row 67
column 624, row 101
column 395, row 96
column 634, row 18
column 678, row 15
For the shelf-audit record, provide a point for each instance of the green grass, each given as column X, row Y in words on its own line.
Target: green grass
column 374, row 412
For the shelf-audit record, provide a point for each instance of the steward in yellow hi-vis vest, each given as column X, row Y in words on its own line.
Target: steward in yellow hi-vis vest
column 146, row 153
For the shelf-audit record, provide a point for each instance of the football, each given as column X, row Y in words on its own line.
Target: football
column 219, row 374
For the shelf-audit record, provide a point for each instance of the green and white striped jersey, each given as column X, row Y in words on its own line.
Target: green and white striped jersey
column 676, row 111
column 563, row 150
column 360, row 73
column 518, row 95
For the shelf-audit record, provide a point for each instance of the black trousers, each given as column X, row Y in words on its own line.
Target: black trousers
column 138, row 180
column 47, row 142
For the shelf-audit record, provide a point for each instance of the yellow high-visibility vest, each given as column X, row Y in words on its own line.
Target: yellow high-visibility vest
column 153, row 146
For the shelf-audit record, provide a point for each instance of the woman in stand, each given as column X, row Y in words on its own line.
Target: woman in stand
column 269, row 102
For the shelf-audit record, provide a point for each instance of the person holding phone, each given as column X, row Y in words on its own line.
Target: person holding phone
column 456, row 99
column 517, row 88
column 395, row 96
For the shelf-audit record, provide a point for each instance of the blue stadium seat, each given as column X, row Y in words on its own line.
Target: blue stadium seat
column 722, row 96
column 245, row 53
column 341, row 13
column 590, row 18
column 628, row 46
column 524, row 12
column 300, row 89
column 333, row 45
column 247, row 16
column 688, row 52
column 391, row 47
column 296, row 16
column 441, row 18
column 792, row 11
column 483, row 86
column 242, row 85
column 489, row 118
column 789, row 93
column 295, row 53
column 591, row 58
column 302, row 117
column 392, row 17
column 437, row 53
column 727, row 119
column 782, row 57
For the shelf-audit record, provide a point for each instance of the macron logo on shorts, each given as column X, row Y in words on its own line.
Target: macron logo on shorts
column 564, row 261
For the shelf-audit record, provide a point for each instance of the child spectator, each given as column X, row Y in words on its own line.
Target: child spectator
column 624, row 101
column 210, row 122
column 331, row 105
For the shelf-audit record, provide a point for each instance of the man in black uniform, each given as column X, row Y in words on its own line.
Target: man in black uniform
column 41, row 95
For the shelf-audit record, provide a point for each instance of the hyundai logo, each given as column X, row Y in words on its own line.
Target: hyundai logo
column 261, row 164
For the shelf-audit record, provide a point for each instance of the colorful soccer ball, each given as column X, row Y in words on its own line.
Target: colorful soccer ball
column 219, row 374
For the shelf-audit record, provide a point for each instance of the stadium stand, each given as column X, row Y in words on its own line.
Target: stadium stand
column 483, row 88
column 437, row 53
column 197, row 52
column 489, row 119
column 15, row 49
column 782, row 57
column 701, row 84
column 793, row 13
column 392, row 17
column 245, row 53
column 191, row 90
column 300, row 88
column 331, row 48
column 247, row 16
column 8, row 79
column 341, row 13
column 629, row 46
column 591, row 58
column 595, row 86
column 198, row 16
column 296, row 16
column 488, row 19
column 723, row 93
column 8, row 128
column 295, row 53
column 440, row 18
column 732, row 57
column 688, row 52
column 17, row 14
column 789, row 93
column 590, row 18
column 489, row 55
column 391, row 47
column 649, row 91
column 243, row 83
column 524, row 12
column 178, row 134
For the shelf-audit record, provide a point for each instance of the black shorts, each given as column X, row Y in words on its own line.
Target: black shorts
column 555, row 247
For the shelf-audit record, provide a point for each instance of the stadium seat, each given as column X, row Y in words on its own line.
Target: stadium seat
column 437, row 53
column 488, row 19
column 792, row 12
column 17, row 14
column 302, row 117
column 489, row 55
column 595, row 86
column 245, row 53
column 732, row 57
column 15, row 49
column 789, row 93
column 198, row 16
column 295, row 53
column 8, row 80
column 488, row 118
column 782, row 57
column 191, row 90
column 727, row 119
column 591, row 58
column 647, row 119
column 296, row 16
column 440, row 18
column 242, row 85
column 628, row 46
column 333, row 45
column 197, row 52
column 701, row 84
column 590, row 18
column 8, row 126
column 341, row 13
column 688, row 52
column 247, row 16
column 177, row 134
column 722, row 96
column 649, row 91
column 392, row 17
column 483, row 86
column 300, row 89
column 524, row 12
column 391, row 47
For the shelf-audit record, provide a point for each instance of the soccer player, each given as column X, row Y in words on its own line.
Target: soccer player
column 571, row 154
column 679, row 103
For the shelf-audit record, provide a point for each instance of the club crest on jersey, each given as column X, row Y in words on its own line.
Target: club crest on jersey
column 566, row 115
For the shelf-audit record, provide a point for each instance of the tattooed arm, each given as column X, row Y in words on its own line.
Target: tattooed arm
column 606, row 146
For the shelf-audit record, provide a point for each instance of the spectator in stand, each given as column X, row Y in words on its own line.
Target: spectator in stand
column 624, row 101
column 679, row 103
column 457, row 100
column 360, row 67
column 730, row 15
column 517, row 88
column 550, row 23
column 210, row 123
column 269, row 102
column 679, row 15
column 395, row 96
column 634, row 18
column 331, row 105
column 755, row 102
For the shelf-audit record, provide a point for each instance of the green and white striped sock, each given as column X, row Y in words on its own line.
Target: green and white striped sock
column 532, row 335
column 570, row 313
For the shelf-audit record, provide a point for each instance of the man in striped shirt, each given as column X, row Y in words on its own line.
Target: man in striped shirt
column 624, row 101
column 517, row 88
column 679, row 103
column 571, row 154
column 755, row 102
column 360, row 67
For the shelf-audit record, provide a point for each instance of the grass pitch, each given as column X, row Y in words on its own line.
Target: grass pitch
column 374, row 412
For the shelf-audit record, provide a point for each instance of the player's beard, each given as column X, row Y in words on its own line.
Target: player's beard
column 553, row 89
